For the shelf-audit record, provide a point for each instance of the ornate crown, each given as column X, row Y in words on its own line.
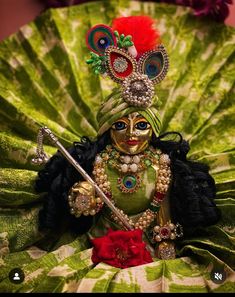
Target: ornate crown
column 125, row 59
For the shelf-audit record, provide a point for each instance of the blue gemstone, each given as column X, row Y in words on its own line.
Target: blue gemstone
column 129, row 184
column 103, row 42
column 129, row 181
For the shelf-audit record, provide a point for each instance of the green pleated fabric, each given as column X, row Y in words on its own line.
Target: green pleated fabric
column 115, row 108
column 44, row 80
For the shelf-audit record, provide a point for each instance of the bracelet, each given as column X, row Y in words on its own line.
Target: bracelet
column 167, row 231
column 83, row 204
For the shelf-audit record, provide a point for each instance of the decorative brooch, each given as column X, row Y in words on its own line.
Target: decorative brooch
column 116, row 56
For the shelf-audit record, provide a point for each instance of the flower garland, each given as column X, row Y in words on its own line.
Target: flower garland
column 113, row 158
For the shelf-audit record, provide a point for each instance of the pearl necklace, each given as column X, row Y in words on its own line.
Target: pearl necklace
column 160, row 160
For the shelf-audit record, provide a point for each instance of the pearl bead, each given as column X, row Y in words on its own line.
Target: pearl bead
column 86, row 213
column 160, row 188
column 156, row 229
column 172, row 236
column 158, row 238
column 172, row 226
column 127, row 159
column 98, row 200
column 124, row 167
column 92, row 212
column 133, row 167
column 136, row 159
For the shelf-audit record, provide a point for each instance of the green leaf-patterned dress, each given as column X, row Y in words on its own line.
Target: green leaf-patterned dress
column 44, row 80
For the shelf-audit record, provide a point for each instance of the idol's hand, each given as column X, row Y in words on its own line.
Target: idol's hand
column 82, row 199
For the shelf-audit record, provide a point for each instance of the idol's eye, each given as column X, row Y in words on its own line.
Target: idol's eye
column 142, row 125
column 119, row 125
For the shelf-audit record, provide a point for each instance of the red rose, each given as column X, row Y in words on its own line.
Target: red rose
column 121, row 249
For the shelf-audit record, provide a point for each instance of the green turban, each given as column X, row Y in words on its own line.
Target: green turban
column 115, row 108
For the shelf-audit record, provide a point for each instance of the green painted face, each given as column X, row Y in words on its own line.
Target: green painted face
column 131, row 134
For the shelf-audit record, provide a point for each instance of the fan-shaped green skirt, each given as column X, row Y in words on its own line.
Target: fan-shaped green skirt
column 44, row 80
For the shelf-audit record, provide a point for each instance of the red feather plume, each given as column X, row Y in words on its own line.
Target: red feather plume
column 141, row 28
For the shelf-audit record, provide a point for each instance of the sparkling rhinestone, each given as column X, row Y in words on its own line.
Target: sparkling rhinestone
column 167, row 253
column 120, row 64
column 137, row 85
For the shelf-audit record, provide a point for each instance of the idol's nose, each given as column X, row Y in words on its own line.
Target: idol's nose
column 130, row 131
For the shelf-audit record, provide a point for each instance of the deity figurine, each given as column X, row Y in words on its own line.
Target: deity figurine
column 145, row 174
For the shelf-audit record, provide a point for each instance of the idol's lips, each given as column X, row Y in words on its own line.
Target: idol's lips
column 132, row 142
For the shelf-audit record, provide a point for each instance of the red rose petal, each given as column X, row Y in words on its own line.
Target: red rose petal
column 121, row 249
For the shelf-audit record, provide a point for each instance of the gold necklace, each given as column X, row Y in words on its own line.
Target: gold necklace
column 160, row 160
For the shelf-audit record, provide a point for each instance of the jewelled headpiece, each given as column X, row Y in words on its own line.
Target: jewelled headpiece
column 131, row 55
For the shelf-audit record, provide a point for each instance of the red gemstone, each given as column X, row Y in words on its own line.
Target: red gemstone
column 159, row 196
column 108, row 194
column 165, row 232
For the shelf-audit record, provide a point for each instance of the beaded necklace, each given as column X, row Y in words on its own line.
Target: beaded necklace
column 129, row 181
